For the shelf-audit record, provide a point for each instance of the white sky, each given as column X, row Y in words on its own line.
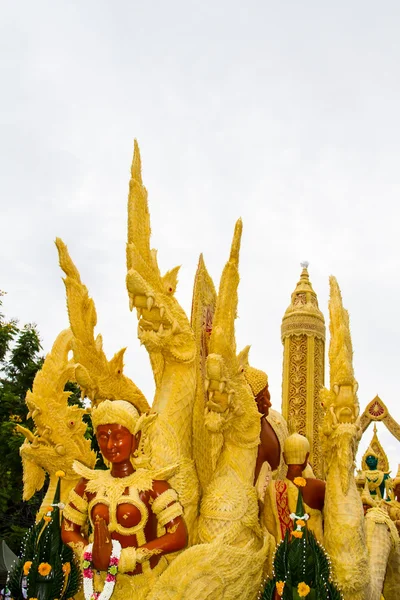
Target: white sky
column 286, row 114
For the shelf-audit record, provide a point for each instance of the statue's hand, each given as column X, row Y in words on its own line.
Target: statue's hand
column 102, row 545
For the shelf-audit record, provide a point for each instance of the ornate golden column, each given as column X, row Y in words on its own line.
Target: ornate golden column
column 303, row 338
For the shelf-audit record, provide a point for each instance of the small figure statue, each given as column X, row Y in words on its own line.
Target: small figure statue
column 134, row 514
column 375, row 477
column 281, row 496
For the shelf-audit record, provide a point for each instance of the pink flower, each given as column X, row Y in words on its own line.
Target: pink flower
column 87, row 556
column 88, row 573
column 110, row 577
column 114, row 561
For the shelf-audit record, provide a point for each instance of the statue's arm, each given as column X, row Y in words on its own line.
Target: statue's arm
column 74, row 517
column 268, row 517
column 383, row 486
column 317, row 499
column 168, row 511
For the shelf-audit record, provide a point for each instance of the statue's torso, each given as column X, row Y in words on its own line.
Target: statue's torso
column 280, row 502
column 272, row 437
column 269, row 449
column 125, row 504
column 376, row 482
column 128, row 517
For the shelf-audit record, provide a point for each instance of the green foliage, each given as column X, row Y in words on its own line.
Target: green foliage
column 90, row 435
column 43, row 545
column 20, row 359
column 75, row 394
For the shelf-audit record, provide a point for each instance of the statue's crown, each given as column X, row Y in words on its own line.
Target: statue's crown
column 295, row 449
column 119, row 412
column 256, row 379
column 371, row 452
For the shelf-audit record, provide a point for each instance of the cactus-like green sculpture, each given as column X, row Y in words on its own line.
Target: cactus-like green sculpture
column 46, row 567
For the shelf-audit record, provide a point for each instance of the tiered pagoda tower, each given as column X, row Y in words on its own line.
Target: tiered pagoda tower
column 303, row 338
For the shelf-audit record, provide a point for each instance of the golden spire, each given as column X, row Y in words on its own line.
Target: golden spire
column 303, row 314
column 303, row 337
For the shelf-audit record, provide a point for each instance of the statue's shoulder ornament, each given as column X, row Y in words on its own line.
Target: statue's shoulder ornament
column 100, row 481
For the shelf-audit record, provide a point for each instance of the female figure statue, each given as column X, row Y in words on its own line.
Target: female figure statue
column 133, row 506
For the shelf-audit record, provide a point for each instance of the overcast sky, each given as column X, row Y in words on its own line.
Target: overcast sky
column 283, row 113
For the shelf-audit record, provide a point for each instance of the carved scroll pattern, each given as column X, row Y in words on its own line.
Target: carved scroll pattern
column 297, row 397
column 318, row 413
column 365, row 420
column 293, row 325
column 393, row 426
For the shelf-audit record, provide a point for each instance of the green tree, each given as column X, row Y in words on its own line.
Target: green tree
column 20, row 359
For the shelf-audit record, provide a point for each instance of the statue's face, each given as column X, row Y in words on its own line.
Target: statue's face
column 116, row 442
column 263, row 400
column 372, row 462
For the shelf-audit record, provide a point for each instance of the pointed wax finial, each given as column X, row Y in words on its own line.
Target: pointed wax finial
column 136, row 168
column 304, row 274
column 235, row 247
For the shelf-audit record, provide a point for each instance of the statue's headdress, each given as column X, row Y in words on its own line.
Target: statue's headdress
column 256, row 379
column 121, row 412
column 117, row 412
column 295, row 449
column 371, row 452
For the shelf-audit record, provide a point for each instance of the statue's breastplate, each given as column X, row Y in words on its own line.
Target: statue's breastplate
column 127, row 515
column 375, row 479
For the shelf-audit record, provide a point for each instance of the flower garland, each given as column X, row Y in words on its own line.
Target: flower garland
column 300, row 523
column 112, row 571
